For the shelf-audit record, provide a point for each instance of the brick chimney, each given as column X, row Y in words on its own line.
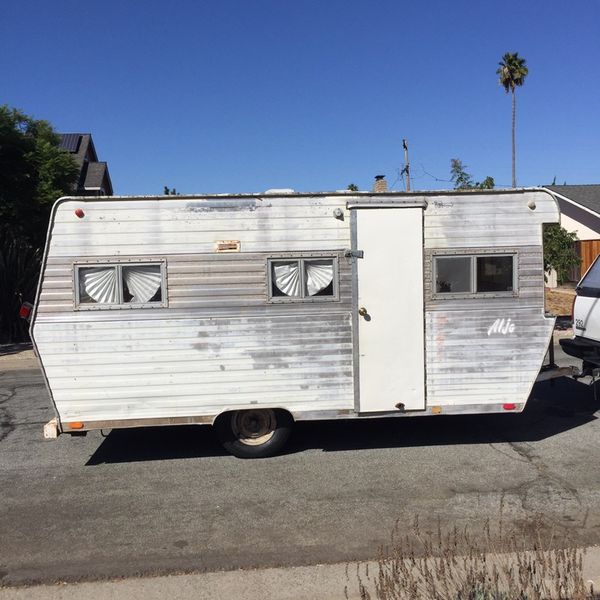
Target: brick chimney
column 380, row 184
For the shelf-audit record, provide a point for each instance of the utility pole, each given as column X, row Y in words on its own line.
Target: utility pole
column 406, row 169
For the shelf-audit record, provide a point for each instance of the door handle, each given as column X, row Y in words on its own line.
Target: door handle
column 362, row 311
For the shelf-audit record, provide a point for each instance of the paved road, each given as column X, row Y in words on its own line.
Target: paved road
column 169, row 500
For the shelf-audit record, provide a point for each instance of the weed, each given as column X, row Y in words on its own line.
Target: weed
column 473, row 565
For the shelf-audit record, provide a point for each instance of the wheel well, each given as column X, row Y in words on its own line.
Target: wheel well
column 226, row 413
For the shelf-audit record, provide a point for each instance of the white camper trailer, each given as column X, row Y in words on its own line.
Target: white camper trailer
column 253, row 311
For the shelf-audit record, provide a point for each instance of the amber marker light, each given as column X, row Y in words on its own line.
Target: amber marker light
column 75, row 425
column 79, row 213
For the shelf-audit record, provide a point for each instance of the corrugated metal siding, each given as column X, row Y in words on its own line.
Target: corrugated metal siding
column 219, row 344
column 473, row 220
column 146, row 227
column 464, row 364
column 160, row 368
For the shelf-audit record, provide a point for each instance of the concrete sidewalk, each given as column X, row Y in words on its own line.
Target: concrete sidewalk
column 317, row 582
column 296, row 583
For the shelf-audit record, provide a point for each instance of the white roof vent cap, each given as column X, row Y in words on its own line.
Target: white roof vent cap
column 278, row 191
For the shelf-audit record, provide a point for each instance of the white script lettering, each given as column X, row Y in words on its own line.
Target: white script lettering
column 501, row 326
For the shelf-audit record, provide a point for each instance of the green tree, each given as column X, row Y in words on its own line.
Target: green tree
column 352, row 187
column 170, row 191
column 559, row 251
column 487, row 184
column 511, row 72
column 459, row 176
column 34, row 172
column 464, row 181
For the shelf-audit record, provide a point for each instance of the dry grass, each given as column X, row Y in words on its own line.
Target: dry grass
column 559, row 301
column 463, row 565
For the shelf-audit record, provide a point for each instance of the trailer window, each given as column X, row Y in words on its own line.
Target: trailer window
column 98, row 285
column 141, row 284
column 120, row 285
column 453, row 274
column 494, row 273
column 303, row 279
column 469, row 275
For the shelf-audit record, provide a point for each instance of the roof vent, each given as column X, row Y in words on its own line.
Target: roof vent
column 280, row 191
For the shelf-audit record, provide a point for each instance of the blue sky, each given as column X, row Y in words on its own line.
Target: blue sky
column 246, row 95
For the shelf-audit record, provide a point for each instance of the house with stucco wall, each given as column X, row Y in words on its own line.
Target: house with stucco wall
column 580, row 213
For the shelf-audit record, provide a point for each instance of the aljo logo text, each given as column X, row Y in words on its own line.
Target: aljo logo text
column 502, row 327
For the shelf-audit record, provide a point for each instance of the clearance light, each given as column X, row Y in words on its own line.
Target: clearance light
column 436, row 410
column 509, row 406
column 79, row 213
column 75, row 425
column 25, row 310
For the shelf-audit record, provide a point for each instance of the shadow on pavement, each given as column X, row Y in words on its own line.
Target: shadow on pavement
column 7, row 349
column 554, row 407
column 157, row 443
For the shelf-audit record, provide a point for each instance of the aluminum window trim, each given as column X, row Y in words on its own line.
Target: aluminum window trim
column 474, row 255
column 471, row 275
column 118, row 264
column 301, row 259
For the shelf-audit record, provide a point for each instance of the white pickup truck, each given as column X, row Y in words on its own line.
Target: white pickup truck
column 585, row 343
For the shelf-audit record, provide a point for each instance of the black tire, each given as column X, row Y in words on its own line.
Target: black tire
column 254, row 433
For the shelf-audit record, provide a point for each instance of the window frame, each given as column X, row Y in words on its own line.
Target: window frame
column 474, row 254
column 118, row 265
column 301, row 258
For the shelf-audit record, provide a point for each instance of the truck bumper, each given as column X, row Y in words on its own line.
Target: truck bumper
column 587, row 350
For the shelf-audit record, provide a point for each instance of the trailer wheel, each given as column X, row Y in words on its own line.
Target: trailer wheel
column 255, row 433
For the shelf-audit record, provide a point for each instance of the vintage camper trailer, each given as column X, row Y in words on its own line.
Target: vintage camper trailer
column 253, row 311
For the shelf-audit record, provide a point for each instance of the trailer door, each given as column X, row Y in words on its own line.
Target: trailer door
column 389, row 309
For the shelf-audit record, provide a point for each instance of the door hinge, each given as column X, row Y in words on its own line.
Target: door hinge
column 354, row 254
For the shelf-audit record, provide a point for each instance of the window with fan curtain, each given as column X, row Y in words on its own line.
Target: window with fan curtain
column 120, row 285
column 303, row 279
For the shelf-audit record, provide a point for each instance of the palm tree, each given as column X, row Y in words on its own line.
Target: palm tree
column 512, row 71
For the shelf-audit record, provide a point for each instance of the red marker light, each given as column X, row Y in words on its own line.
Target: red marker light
column 25, row 310
column 509, row 406
column 79, row 213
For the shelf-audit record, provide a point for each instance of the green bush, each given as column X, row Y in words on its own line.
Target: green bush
column 559, row 251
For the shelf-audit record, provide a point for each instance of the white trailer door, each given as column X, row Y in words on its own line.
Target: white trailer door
column 391, row 362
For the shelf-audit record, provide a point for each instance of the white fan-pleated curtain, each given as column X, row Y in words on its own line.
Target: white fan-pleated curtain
column 99, row 283
column 287, row 278
column 318, row 276
column 142, row 282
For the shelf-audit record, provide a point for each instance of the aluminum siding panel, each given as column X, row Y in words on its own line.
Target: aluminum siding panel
column 466, row 361
column 219, row 345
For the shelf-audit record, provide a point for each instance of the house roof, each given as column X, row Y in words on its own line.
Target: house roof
column 80, row 145
column 93, row 175
column 587, row 196
column 97, row 177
